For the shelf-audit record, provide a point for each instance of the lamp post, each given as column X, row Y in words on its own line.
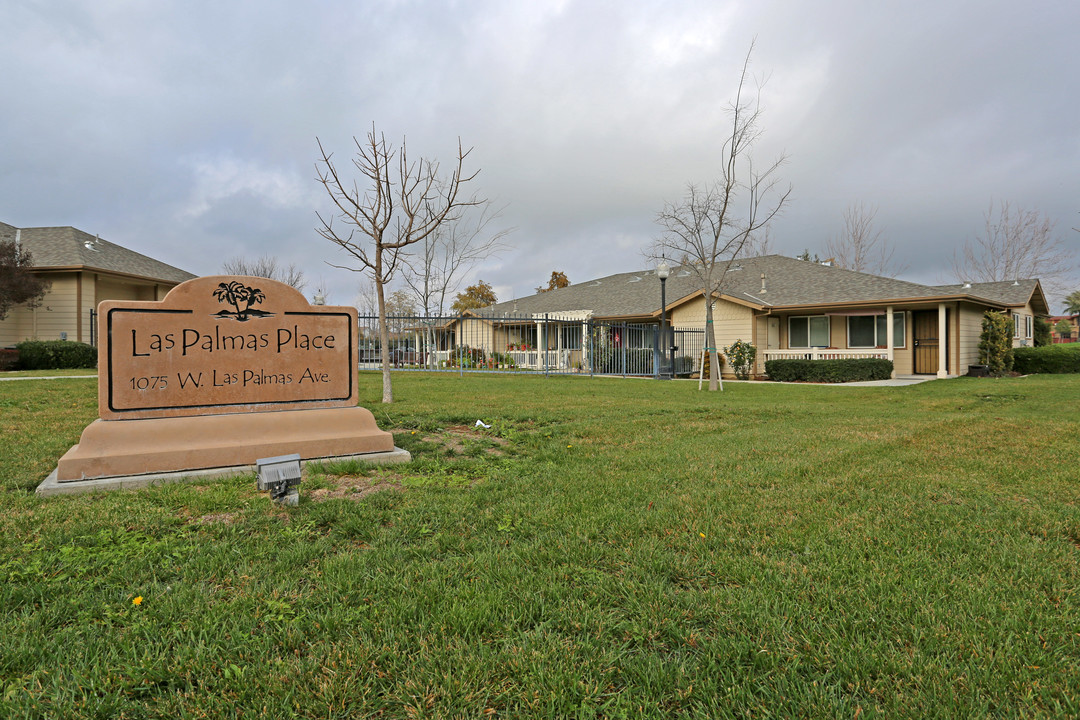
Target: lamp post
column 662, row 272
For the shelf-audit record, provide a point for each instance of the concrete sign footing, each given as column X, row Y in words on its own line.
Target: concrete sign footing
column 51, row 486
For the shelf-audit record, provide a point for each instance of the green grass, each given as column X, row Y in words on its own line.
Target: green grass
column 65, row 372
column 613, row 549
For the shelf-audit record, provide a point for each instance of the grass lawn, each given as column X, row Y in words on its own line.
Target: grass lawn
column 609, row 549
column 67, row 372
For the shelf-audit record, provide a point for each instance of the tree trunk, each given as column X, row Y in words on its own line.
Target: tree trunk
column 710, row 342
column 384, row 342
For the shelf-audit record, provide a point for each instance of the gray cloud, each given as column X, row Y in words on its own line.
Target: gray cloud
column 187, row 130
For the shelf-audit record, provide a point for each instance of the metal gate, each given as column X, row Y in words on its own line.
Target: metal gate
column 549, row 344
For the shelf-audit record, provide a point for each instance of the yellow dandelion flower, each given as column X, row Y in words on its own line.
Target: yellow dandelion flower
column 136, row 600
column 701, row 534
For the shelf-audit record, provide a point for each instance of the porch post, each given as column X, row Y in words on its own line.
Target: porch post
column 942, row 345
column 889, row 337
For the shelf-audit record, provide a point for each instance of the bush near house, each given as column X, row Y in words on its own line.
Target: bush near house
column 9, row 359
column 829, row 371
column 1042, row 333
column 1049, row 359
column 995, row 343
column 55, row 355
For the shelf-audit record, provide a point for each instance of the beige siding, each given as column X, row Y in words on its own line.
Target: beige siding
column 733, row 322
column 1024, row 339
column 56, row 315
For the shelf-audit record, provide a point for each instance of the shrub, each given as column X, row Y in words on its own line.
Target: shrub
column 1042, row 332
column 741, row 355
column 829, row 371
column 706, row 365
column 995, row 343
column 466, row 356
column 55, row 355
column 9, row 359
column 1049, row 359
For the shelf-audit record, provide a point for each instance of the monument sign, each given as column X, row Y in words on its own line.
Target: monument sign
column 222, row 372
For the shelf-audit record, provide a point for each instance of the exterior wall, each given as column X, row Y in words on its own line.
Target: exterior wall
column 732, row 322
column 57, row 314
column 67, row 306
column 969, row 327
column 1024, row 339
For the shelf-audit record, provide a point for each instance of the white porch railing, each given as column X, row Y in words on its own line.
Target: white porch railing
column 824, row 354
column 536, row 359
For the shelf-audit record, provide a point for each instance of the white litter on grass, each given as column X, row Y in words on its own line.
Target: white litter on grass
column 481, row 423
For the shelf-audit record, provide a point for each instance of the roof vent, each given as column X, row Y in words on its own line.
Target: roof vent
column 634, row 279
column 684, row 273
column 595, row 284
column 966, row 286
column 1016, row 283
column 92, row 244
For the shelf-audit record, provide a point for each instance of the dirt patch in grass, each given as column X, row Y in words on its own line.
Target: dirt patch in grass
column 353, row 487
column 225, row 518
column 459, row 438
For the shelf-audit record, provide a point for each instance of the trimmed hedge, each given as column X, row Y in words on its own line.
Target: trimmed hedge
column 56, row 355
column 1048, row 359
column 829, row 371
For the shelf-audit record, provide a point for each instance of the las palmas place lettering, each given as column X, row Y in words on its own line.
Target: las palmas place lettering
column 189, row 355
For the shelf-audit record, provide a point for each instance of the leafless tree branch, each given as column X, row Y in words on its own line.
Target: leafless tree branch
column 397, row 204
column 714, row 222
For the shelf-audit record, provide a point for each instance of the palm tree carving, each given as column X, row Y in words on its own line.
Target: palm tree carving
column 236, row 294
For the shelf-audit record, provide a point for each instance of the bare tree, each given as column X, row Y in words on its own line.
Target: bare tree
column 713, row 222
column 862, row 247
column 1016, row 244
column 435, row 271
column 758, row 244
column 267, row 267
column 397, row 204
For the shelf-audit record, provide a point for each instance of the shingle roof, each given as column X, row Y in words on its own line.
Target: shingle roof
column 1009, row 292
column 789, row 282
column 65, row 247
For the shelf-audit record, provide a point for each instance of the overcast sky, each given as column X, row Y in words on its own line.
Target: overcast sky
column 186, row 130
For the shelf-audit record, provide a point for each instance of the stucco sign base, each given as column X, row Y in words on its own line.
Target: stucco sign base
column 123, row 448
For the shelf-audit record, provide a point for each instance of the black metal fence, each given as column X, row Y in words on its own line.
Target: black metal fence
column 562, row 344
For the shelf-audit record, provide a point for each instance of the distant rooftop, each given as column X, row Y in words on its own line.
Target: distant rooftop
column 70, row 248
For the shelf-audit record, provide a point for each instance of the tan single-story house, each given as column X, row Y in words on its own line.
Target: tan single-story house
column 791, row 308
column 82, row 271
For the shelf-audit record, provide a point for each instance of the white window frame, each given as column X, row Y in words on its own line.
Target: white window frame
column 898, row 337
column 1029, row 326
column 1016, row 326
column 809, row 332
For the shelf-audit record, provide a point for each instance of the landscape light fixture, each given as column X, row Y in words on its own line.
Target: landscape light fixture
column 280, row 476
column 663, row 271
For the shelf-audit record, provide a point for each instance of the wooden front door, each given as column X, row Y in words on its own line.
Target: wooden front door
column 927, row 342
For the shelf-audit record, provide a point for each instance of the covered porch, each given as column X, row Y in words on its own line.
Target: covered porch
column 918, row 338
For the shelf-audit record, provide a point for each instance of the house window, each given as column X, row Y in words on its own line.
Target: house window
column 1028, row 326
column 1016, row 326
column 869, row 331
column 808, row 331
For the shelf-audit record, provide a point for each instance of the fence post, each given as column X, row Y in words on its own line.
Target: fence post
column 655, row 355
column 545, row 343
column 592, row 345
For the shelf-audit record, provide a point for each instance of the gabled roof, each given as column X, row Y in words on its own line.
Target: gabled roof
column 1012, row 293
column 788, row 283
column 55, row 248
